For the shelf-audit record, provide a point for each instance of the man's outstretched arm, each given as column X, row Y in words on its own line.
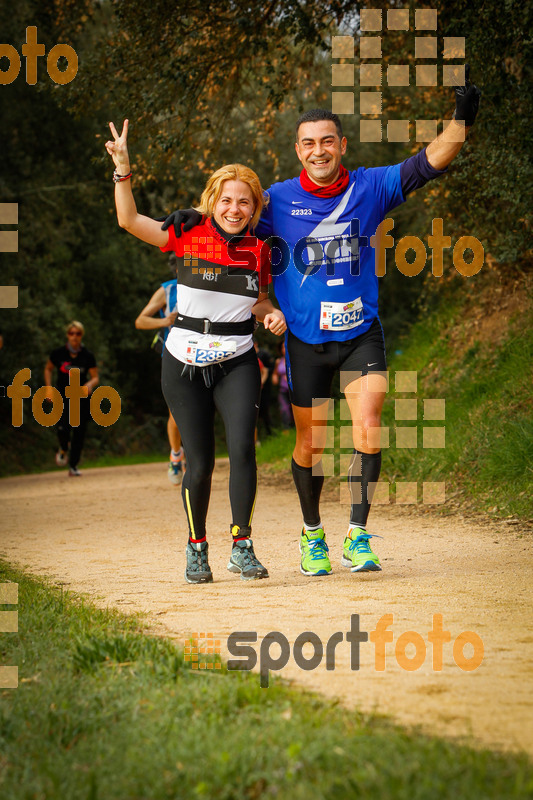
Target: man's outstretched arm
column 442, row 150
column 434, row 159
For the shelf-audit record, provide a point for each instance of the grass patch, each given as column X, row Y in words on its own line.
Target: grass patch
column 122, row 461
column 488, row 454
column 103, row 711
column 277, row 449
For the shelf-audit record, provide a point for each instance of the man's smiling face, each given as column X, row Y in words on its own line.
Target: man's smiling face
column 320, row 149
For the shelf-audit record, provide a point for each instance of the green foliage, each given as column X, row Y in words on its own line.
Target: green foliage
column 483, row 194
column 489, row 431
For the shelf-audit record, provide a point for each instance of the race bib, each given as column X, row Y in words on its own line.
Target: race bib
column 204, row 350
column 341, row 316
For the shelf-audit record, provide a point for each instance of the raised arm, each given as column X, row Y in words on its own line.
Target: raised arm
column 442, row 150
column 140, row 226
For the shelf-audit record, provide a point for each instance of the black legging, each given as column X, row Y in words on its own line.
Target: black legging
column 64, row 429
column 235, row 393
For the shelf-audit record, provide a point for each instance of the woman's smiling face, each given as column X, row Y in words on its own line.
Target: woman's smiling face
column 235, row 206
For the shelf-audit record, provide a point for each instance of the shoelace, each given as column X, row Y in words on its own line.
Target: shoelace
column 360, row 543
column 249, row 559
column 200, row 563
column 318, row 549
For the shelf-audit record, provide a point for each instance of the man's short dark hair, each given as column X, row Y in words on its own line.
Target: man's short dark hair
column 317, row 115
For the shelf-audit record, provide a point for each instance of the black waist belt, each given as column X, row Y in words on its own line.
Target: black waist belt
column 217, row 328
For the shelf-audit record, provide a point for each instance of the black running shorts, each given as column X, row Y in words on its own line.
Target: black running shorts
column 311, row 368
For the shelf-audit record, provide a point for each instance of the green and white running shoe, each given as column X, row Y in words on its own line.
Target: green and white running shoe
column 356, row 552
column 314, row 552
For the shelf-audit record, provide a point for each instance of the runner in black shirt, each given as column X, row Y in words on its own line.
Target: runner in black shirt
column 72, row 355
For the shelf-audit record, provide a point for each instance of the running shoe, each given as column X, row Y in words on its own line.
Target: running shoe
column 197, row 569
column 175, row 472
column 356, row 552
column 244, row 560
column 74, row 472
column 314, row 550
column 61, row 458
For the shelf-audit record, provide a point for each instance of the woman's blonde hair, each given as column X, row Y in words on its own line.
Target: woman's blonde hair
column 75, row 324
column 233, row 172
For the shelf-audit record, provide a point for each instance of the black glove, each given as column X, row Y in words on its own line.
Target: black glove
column 466, row 100
column 186, row 217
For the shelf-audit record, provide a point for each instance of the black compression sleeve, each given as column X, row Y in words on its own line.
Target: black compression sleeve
column 309, row 488
column 363, row 476
column 416, row 171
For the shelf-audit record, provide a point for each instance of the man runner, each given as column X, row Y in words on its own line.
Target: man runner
column 326, row 285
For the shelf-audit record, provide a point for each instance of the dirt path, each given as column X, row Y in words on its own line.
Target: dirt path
column 113, row 535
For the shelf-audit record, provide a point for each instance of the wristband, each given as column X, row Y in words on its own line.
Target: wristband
column 118, row 178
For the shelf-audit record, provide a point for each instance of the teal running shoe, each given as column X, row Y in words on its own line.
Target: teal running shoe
column 356, row 552
column 314, row 552
column 198, row 569
column 244, row 561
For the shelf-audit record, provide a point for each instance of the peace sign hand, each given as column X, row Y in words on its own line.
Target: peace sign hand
column 118, row 149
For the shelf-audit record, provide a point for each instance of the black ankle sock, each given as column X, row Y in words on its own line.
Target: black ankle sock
column 309, row 488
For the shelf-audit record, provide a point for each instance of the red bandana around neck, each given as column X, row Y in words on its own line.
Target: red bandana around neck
column 325, row 191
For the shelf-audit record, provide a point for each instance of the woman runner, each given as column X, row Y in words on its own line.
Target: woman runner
column 209, row 361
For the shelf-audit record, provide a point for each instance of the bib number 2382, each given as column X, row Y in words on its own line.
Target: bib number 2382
column 341, row 316
column 210, row 356
column 206, row 350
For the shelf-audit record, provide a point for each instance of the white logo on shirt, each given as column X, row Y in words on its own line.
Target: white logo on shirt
column 329, row 226
column 252, row 284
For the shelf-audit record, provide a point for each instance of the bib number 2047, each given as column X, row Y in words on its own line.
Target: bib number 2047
column 348, row 319
column 340, row 316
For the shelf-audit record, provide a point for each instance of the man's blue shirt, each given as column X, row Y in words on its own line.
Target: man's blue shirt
column 326, row 283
